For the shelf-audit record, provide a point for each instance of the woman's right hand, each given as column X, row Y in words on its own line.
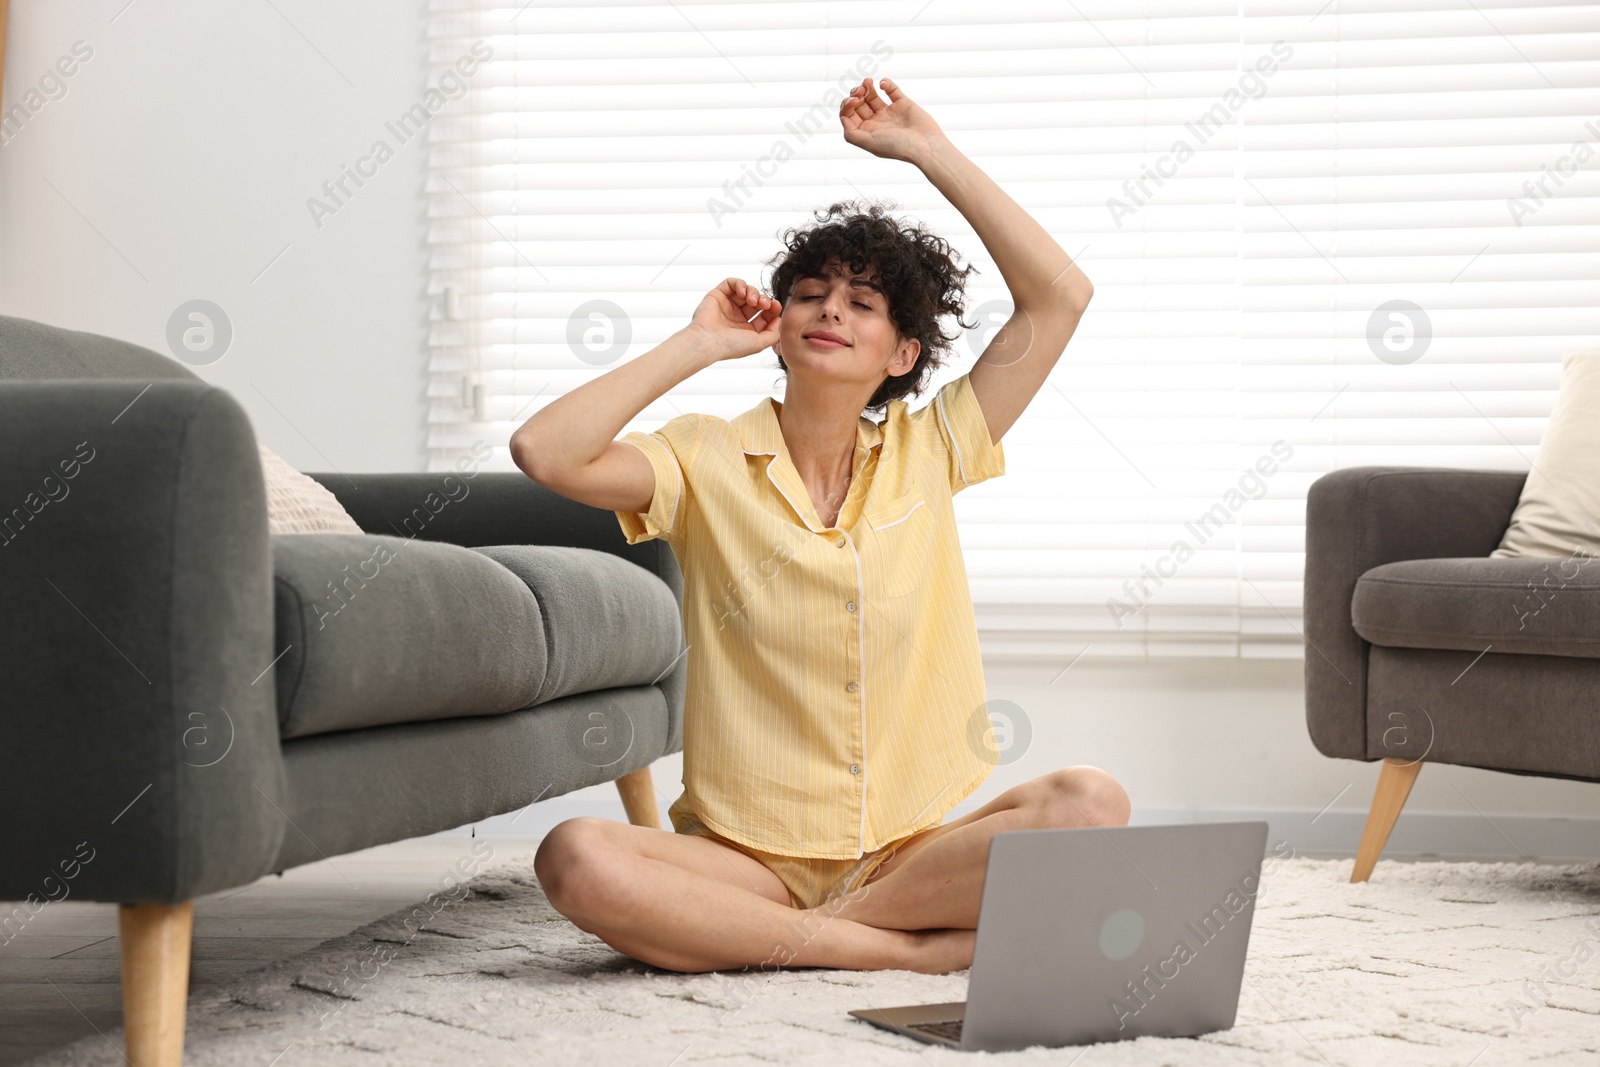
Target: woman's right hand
column 736, row 319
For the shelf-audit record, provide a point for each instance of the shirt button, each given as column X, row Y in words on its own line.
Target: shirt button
column 852, row 687
column 850, row 605
column 840, row 542
column 855, row 768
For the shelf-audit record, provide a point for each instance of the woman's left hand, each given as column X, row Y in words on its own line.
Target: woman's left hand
column 892, row 129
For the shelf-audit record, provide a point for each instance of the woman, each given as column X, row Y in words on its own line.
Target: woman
column 835, row 708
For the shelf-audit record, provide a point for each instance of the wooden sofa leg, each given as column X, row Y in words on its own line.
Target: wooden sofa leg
column 639, row 798
column 155, row 940
column 1394, row 785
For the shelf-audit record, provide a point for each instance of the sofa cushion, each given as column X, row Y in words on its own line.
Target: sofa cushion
column 298, row 503
column 1539, row 606
column 1559, row 512
column 609, row 622
column 374, row 629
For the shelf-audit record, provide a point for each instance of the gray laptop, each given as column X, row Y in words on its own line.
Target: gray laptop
column 1102, row 934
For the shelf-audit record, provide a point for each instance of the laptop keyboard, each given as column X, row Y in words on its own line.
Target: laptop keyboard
column 949, row 1030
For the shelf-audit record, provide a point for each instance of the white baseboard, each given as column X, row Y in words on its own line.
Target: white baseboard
column 1418, row 834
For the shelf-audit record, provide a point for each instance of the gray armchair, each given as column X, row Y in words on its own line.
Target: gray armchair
column 1421, row 648
column 181, row 714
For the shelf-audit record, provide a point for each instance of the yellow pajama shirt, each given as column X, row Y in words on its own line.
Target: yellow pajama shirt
column 835, row 701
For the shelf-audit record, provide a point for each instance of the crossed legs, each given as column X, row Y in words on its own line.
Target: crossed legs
column 689, row 903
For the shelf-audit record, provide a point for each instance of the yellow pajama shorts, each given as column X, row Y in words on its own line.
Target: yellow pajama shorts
column 811, row 882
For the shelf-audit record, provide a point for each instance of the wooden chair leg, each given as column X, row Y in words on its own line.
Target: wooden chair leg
column 639, row 798
column 1394, row 785
column 155, row 940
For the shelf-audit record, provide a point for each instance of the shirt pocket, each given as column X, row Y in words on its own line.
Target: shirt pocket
column 902, row 541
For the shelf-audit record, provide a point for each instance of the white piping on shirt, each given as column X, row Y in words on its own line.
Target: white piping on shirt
column 861, row 644
column 902, row 518
column 960, row 462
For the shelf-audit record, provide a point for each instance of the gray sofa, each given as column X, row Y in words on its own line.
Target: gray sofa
column 1420, row 648
column 191, row 703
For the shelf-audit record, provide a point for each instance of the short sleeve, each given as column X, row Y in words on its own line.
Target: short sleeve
column 970, row 454
column 669, row 450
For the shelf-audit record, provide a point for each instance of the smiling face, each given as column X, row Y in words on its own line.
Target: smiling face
column 838, row 326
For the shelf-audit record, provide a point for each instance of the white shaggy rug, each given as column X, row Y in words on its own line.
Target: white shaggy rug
column 1429, row 963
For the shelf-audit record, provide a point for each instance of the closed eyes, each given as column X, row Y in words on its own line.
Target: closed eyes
column 857, row 303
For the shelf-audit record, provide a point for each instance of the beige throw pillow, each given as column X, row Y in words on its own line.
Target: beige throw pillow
column 1559, row 512
column 297, row 503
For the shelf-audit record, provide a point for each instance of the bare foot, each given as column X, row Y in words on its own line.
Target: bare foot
column 940, row 951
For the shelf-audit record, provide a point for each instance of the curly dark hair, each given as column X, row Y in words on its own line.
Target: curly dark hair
column 916, row 271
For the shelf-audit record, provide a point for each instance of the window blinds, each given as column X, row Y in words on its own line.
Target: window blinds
column 1321, row 235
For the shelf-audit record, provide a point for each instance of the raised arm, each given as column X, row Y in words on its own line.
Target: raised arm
column 1049, row 290
column 570, row 445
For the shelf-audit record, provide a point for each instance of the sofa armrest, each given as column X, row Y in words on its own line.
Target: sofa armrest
column 1359, row 518
column 505, row 508
column 138, row 738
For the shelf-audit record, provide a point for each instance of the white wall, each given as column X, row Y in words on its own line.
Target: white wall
column 190, row 141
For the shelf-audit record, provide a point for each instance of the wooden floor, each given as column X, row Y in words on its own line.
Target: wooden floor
column 59, row 978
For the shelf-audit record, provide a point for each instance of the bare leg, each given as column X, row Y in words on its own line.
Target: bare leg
column 935, row 880
column 688, row 903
